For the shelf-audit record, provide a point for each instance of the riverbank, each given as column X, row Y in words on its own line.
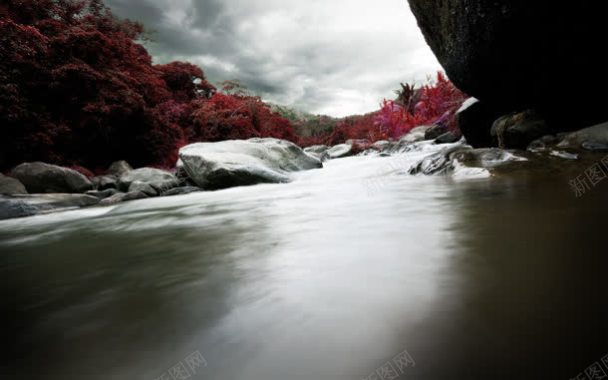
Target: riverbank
column 38, row 188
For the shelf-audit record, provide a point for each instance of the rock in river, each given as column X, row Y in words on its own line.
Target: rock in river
column 244, row 162
column 160, row 180
column 39, row 177
column 10, row 185
column 28, row 205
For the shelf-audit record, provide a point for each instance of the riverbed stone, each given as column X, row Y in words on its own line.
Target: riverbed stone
column 119, row 168
column 449, row 137
column 518, row 130
column 102, row 194
column 17, row 206
column 318, row 151
column 232, row 163
column 10, row 185
column 340, row 151
column 592, row 137
column 123, row 197
column 159, row 179
column 145, row 188
column 434, row 132
column 181, row 191
column 105, row 182
column 39, row 177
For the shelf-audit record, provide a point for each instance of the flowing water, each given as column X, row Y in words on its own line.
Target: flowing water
column 329, row 277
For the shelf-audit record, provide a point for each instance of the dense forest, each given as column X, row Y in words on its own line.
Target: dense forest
column 78, row 88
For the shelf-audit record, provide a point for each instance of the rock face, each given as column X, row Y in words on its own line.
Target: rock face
column 232, row 163
column 10, row 185
column 39, row 177
column 514, row 55
column 29, row 205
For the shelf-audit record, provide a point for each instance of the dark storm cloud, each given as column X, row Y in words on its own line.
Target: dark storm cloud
column 337, row 57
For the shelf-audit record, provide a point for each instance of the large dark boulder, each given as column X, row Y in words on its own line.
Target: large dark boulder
column 514, row 55
column 38, row 177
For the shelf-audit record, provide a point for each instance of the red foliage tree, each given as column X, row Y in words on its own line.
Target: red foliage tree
column 76, row 88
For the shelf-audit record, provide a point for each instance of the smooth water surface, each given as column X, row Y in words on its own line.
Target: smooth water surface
column 328, row 277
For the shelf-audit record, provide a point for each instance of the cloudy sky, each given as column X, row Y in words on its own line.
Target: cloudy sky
column 335, row 57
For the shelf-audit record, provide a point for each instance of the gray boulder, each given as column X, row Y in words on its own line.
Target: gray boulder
column 181, row 191
column 10, row 185
column 38, row 177
column 102, row 194
column 340, row 151
column 592, row 138
column 119, row 168
column 33, row 204
column 318, row 151
column 145, row 188
column 123, row 197
column 244, row 162
column 160, row 180
column 448, row 138
column 434, row 132
column 105, row 182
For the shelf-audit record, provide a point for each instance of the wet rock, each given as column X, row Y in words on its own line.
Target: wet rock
column 381, row 145
column 340, row 151
column 145, row 188
column 508, row 54
column 105, row 182
column 564, row 155
column 448, row 138
column 437, row 163
column 181, row 191
column 318, row 151
column 102, row 194
column 475, row 121
column 33, row 204
column 244, row 162
column 123, row 197
column 592, row 137
column 119, row 168
column 10, row 185
column 434, row 132
column 518, row 130
column 487, row 158
column 38, row 177
column 595, row 146
column 160, row 180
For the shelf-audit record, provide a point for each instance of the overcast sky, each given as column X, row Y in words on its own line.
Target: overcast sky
column 335, row 57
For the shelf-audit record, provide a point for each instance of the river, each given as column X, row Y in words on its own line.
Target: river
column 344, row 271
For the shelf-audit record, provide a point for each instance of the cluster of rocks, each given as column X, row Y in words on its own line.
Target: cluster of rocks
column 36, row 187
